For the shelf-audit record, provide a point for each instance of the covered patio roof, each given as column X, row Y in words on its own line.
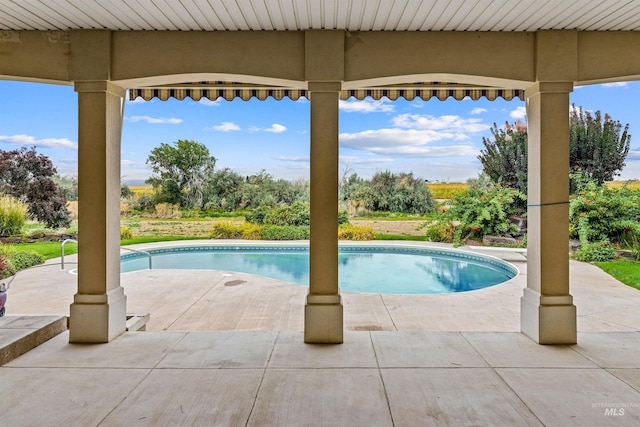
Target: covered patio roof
column 295, row 15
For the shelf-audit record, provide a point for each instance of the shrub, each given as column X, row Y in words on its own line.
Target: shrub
column 167, row 210
column 596, row 252
column 477, row 212
column 296, row 214
column 257, row 215
column 144, row 202
column 387, row 191
column 126, row 233
column 13, row 214
column 16, row 260
column 355, row 232
column 604, row 213
column 225, row 230
column 285, row 232
column 3, row 266
column 126, row 208
column 441, row 232
column 343, row 218
column 251, row 231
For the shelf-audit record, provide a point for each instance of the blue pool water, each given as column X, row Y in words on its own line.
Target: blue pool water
column 369, row 269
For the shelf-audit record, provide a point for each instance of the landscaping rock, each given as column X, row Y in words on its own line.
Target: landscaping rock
column 626, row 254
column 499, row 241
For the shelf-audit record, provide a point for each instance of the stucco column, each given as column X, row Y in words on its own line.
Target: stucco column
column 323, row 315
column 547, row 313
column 98, row 312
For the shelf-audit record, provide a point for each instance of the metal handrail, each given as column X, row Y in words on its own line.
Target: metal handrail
column 140, row 252
column 125, row 248
column 62, row 251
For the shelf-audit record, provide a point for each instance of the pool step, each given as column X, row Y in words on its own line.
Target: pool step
column 19, row 334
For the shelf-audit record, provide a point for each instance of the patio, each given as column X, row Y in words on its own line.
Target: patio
column 407, row 360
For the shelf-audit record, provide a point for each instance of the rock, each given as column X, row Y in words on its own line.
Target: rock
column 623, row 253
column 499, row 241
column 574, row 245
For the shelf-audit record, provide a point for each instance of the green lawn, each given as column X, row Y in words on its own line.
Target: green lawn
column 626, row 271
column 48, row 249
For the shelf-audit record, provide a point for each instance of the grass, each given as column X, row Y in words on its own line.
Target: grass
column 32, row 227
column 48, row 249
column 626, row 271
column 633, row 185
column 51, row 250
column 448, row 190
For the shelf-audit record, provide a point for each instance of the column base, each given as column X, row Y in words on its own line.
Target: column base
column 548, row 319
column 98, row 318
column 323, row 319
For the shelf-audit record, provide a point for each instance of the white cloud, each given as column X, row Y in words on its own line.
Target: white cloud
column 366, row 106
column 275, row 128
column 478, row 110
column 356, row 160
column 293, row 158
column 615, row 84
column 138, row 100
column 298, row 166
column 155, row 120
column 633, row 155
column 519, row 113
column 225, row 127
column 209, row 103
column 419, row 135
column 406, row 142
column 29, row 140
column 447, row 122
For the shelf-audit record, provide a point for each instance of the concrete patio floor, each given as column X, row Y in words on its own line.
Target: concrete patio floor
column 228, row 350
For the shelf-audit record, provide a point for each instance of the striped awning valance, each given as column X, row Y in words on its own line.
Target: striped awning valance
column 231, row 91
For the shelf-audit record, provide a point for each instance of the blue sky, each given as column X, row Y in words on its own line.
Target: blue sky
column 437, row 140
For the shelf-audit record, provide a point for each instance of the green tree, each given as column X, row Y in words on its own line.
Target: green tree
column 259, row 190
column 598, row 148
column 387, row 191
column 180, row 172
column 224, row 190
column 28, row 176
column 68, row 185
column 504, row 158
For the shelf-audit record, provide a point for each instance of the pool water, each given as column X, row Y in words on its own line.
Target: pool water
column 367, row 269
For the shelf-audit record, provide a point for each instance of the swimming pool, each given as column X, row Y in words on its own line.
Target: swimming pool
column 367, row 269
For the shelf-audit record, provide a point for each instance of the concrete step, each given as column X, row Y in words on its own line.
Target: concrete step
column 19, row 334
